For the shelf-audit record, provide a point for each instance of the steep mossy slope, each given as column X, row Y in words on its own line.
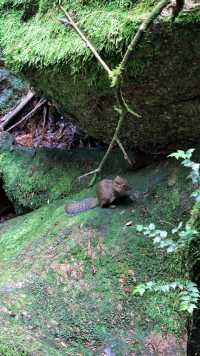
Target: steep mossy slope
column 67, row 281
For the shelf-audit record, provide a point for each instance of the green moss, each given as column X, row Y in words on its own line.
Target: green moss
column 31, row 35
column 42, row 41
column 33, row 180
column 189, row 17
column 6, row 350
column 69, row 280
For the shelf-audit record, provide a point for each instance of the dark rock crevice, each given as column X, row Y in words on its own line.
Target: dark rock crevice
column 6, row 207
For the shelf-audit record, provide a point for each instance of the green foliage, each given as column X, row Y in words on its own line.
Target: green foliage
column 184, row 238
column 195, row 167
column 188, row 292
column 183, row 241
column 6, row 350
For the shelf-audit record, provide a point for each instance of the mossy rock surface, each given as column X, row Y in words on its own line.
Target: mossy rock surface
column 11, row 88
column 32, row 179
column 161, row 85
column 162, row 81
column 67, row 281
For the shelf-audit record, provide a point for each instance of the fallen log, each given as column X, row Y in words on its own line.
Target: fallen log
column 29, row 115
column 12, row 114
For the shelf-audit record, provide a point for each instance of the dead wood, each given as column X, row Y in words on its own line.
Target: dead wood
column 12, row 114
column 29, row 115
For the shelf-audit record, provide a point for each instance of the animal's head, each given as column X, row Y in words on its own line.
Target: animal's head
column 120, row 185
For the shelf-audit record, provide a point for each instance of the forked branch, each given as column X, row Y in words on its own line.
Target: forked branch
column 116, row 77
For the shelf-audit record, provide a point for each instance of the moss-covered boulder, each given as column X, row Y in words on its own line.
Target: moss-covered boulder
column 67, row 281
column 162, row 82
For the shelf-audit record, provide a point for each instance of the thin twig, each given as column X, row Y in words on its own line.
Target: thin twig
column 45, row 118
column 126, row 157
column 87, row 42
column 110, row 147
column 95, row 171
column 139, row 34
column 29, row 115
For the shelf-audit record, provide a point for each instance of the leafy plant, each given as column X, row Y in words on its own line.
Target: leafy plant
column 160, row 236
column 195, row 167
column 188, row 291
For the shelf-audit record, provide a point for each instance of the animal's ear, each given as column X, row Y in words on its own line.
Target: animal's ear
column 118, row 179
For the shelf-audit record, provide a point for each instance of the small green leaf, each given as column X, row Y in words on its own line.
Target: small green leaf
column 151, row 226
column 163, row 234
column 139, row 228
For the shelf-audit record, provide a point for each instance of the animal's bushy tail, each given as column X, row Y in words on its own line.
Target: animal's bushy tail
column 79, row 206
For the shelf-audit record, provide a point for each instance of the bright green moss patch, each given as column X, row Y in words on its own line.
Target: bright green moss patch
column 31, row 35
column 68, row 280
column 32, row 181
column 42, row 41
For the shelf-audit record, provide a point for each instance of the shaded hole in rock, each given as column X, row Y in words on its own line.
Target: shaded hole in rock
column 50, row 127
column 7, row 210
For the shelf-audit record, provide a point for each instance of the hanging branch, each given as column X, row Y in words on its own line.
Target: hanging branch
column 116, row 77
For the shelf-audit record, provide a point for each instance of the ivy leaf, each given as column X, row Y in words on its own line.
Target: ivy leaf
column 163, row 234
column 139, row 228
column 152, row 227
column 188, row 307
column 184, row 306
column 157, row 239
column 140, row 289
column 190, row 152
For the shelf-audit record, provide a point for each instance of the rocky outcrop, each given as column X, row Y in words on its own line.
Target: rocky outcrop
column 162, row 84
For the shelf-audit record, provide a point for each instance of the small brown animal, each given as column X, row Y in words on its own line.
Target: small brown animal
column 107, row 191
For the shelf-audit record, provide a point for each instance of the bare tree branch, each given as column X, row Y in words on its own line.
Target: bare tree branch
column 116, row 77
column 87, row 42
